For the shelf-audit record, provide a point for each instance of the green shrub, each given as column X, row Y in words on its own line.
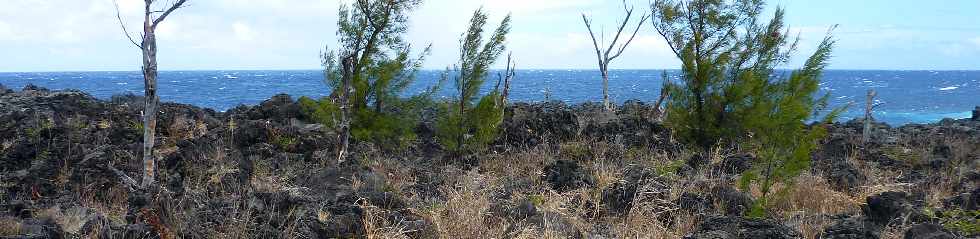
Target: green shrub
column 465, row 126
column 381, row 66
column 730, row 92
column 322, row 111
column 962, row 221
column 385, row 130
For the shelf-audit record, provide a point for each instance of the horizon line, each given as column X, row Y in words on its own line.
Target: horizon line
column 494, row 69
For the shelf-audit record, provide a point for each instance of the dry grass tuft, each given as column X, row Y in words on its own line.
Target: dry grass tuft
column 378, row 225
column 9, row 227
column 466, row 211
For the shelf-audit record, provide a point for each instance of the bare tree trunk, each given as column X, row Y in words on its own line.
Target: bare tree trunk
column 664, row 93
column 151, row 100
column 347, row 89
column 605, row 90
column 869, row 106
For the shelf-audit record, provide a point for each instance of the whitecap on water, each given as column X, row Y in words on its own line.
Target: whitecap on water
column 949, row 88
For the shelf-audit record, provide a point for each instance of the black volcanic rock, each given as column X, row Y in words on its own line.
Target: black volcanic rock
column 883, row 208
column 565, row 175
column 849, row 228
column 928, row 231
column 737, row 227
column 976, row 114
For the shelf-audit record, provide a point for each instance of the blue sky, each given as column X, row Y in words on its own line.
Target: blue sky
column 83, row 35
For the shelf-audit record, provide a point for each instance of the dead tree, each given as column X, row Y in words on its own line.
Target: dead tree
column 664, row 94
column 148, row 46
column 604, row 57
column 506, row 78
column 868, row 118
column 346, row 90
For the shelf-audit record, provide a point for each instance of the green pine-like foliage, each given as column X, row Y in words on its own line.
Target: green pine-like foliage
column 371, row 32
column 466, row 126
column 730, row 92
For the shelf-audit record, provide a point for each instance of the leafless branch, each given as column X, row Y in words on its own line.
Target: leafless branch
column 169, row 10
column 128, row 181
column 619, row 31
column 643, row 19
column 123, row 25
column 598, row 52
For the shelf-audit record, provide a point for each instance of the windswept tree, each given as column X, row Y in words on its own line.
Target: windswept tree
column 467, row 126
column 369, row 71
column 614, row 50
column 731, row 93
column 152, row 17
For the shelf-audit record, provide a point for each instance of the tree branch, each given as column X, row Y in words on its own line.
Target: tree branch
column 123, row 25
column 623, row 48
column 629, row 14
column 598, row 52
column 166, row 13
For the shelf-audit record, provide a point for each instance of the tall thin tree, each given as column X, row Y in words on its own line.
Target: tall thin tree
column 614, row 48
column 148, row 46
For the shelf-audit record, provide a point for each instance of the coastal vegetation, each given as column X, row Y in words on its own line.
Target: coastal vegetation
column 465, row 126
column 743, row 150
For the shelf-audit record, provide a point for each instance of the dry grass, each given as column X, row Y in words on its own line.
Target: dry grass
column 9, row 227
column 378, row 225
column 466, row 211
column 808, row 203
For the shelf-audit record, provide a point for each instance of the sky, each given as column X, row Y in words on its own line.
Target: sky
column 84, row 35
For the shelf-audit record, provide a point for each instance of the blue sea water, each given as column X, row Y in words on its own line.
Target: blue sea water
column 905, row 96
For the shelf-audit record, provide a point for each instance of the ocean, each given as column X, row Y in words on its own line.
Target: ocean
column 904, row 96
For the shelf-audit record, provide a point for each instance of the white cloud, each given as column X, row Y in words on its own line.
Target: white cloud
column 7, row 32
column 535, row 6
column 242, row 31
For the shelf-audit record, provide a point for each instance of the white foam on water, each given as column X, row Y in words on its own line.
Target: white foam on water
column 949, row 88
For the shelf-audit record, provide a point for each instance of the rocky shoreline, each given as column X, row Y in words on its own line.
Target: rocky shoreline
column 556, row 171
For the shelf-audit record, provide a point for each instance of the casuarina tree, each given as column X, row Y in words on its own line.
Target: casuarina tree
column 730, row 91
column 467, row 126
column 370, row 69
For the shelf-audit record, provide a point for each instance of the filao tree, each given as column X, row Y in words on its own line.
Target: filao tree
column 615, row 48
column 152, row 17
column 467, row 126
column 367, row 73
column 731, row 93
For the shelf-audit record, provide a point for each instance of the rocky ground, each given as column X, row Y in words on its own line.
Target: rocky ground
column 557, row 171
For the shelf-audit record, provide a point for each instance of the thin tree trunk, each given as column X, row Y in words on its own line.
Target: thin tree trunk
column 151, row 100
column 345, row 107
column 664, row 93
column 869, row 105
column 605, row 89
